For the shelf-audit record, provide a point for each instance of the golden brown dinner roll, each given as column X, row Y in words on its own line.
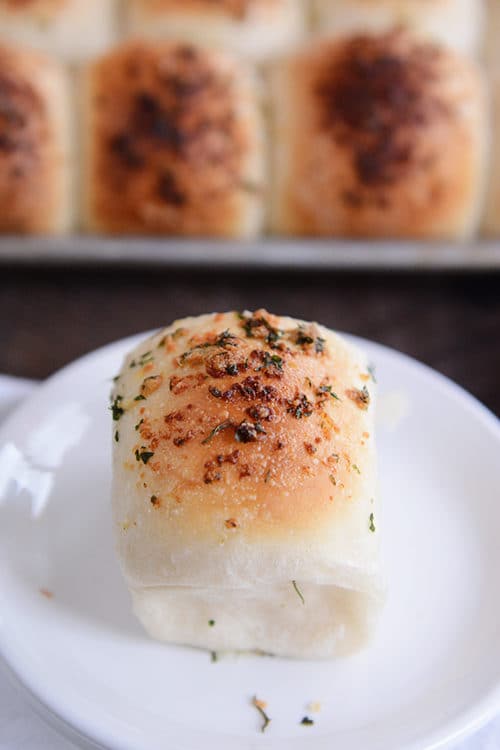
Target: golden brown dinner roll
column 244, row 491
column 457, row 23
column 256, row 29
column 34, row 144
column 173, row 143
column 70, row 29
column 378, row 136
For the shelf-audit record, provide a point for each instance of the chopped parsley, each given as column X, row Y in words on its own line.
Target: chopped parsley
column 211, row 623
column 143, row 455
column 220, row 428
column 328, row 389
column 307, row 722
column 372, row 526
column 117, row 437
column 301, row 407
column 117, row 410
column 259, row 706
column 138, row 425
column 319, row 345
column 214, row 657
column 355, row 468
column 333, row 480
column 140, row 397
column 298, row 591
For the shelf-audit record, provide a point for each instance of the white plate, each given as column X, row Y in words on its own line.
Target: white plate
column 431, row 676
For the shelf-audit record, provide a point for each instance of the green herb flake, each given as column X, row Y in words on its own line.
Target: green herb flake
column 298, row 592
column 143, row 455
column 307, row 722
column 117, row 410
column 146, row 358
column 356, row 468
column 117, row 437
column 211, row 623
column 116, row 379
column 266, row 719
column 333, row 480
column 372, row 526
column 319, row 345
column 214, row 657
column 138, row 425
column 220, row 428
column 140, row 397
column 328, row 389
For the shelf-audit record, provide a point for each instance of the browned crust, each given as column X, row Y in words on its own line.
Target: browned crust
column 169, row 141
column 32, row 142
column 395, row 134
column 246, row 430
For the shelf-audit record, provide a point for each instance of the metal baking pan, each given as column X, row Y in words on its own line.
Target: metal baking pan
column 284, row 254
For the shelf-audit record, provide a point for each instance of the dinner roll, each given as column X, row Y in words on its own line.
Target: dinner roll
column 256, row 29
column 70, row 29
column 34, row 144
column 173, row 143
column 457, row 23
column 378, row 136
column 244, row 491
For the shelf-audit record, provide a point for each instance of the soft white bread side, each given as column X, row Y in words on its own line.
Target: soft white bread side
column 244, row 486
column 255, row 29
column 35, row 194
column 73, row 30
column 379, row 136
column 173, row 143
column 455, row 23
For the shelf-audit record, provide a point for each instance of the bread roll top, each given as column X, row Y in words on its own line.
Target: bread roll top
column 174, row 141
column 234, row 434
column 33, row 142
column 380, row 135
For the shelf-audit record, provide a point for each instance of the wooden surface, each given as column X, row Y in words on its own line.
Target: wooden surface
column 452, row 323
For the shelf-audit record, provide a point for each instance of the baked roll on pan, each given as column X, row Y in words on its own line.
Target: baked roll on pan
column 173, row 143
column 378, row 136
column 244, row 492
column 35, row 159
column 255, row 29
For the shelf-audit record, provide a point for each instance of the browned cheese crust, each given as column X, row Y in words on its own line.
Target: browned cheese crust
column 168, row 142
column 247, row 427
column 387, row 139
column 31, row 152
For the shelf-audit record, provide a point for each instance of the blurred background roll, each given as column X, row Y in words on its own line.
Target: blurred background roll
column 173, row 143
column 378, row 136
column 72, row 30
column 255, row 29
column 35, row 165
column 456, row 23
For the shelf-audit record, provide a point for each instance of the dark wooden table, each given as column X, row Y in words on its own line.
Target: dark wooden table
column 451, row 322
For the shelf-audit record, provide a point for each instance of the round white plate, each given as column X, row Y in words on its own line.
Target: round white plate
column 431, row 676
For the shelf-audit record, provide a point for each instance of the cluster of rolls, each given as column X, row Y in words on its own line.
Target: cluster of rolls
column 235, row 118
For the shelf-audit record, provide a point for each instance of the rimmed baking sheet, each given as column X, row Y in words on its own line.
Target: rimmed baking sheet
column 285, row 254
